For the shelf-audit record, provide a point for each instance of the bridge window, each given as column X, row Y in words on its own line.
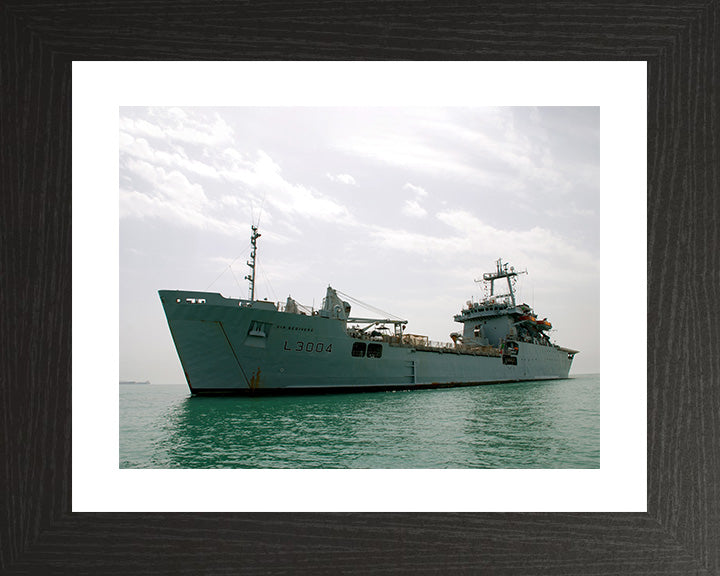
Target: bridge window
column 358, row 349
column 374, row 351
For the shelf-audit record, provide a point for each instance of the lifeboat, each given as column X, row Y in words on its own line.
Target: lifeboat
column 526, row 318
column 544, row 324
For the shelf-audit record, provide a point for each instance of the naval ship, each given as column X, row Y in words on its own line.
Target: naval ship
column 257, row 347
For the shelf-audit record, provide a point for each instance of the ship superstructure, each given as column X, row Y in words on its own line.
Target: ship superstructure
column 497, row 320
column 240, row 346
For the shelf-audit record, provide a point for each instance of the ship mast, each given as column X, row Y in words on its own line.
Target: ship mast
column 502, row 272
column 253, row 261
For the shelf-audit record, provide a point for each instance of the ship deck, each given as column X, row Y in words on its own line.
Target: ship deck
column 445, row 348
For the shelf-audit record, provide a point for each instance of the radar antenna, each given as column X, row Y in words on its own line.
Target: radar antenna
column 253, row 261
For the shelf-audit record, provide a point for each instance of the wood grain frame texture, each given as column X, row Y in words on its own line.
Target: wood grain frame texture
column 680, row 533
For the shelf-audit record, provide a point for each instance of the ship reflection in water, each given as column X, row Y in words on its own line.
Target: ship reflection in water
column 551, row 424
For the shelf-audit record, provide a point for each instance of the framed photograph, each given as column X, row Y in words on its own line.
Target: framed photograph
column 648, row 506
column 522, row 178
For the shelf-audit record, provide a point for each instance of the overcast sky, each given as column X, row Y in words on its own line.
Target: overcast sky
column 401, row 208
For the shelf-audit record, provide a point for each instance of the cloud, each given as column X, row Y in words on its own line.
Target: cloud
column 153, row 192
column 344, row 178
column 471, row 237
column 416, row 242
column 409, row 153
column 161, row 179
column 421, row 192
column 546, row 249
column 412, row 208
column 141, row 149
column 174, row 125
column 169, row 185
column 510, row 151
column 264, row 177
column 184, row 166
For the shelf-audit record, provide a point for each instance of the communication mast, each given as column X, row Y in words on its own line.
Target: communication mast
column 503, row 272
column 253, row 262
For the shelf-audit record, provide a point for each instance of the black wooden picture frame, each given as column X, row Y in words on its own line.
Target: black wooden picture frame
column 680, row 533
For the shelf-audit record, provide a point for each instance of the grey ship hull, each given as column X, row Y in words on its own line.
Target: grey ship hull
column 229, row 346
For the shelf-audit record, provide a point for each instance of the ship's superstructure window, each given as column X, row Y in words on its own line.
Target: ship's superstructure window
column 374, row 350
column 358, row 349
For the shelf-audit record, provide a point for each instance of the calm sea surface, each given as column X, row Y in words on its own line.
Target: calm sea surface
column 552, row 424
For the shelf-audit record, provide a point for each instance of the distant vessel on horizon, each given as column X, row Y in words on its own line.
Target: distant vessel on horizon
column 238, row 346
column 124, row 382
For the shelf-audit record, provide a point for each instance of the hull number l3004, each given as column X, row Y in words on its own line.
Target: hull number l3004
column 300, row 346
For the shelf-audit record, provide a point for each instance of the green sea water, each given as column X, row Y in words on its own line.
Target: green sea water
column 550, row 424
